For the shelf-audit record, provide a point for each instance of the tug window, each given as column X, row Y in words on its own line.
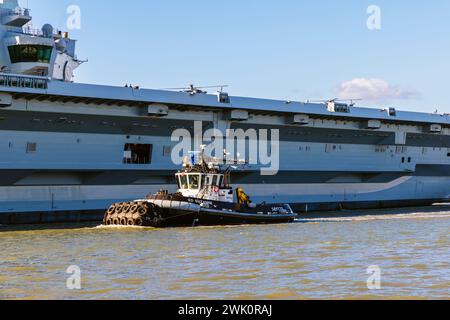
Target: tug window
column 203, row 182
column 194, row 181
column 183, row 182
column 137, row 153
column 30, row 53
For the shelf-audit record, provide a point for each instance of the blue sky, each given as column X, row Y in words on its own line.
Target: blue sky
column 286, row 49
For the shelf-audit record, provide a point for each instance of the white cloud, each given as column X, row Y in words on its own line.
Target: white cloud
column 372, row 90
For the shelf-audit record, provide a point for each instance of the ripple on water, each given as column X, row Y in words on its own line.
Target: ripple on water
column 131, row 281
column 286, row 294
column 219, row 278
column 291, row 266
column 336, row 248
column 296, row 273
column 445, row 285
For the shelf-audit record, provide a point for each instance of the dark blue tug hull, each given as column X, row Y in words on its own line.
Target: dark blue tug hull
column 213, row 213
column 178, row 218
column 162, row 211
column 195, row 219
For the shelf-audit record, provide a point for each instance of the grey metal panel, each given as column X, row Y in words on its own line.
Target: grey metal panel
column 76, row 123
column 428, row 140
column 344, row 136
column 432, row 170
column 325, row 177
column 125, row 177
column 386, row 177
column 121, row 177
column 94, row 178
column 76, row 90
column 324, row 135
column 129, row 177
column 9, row 177
column 306, row 177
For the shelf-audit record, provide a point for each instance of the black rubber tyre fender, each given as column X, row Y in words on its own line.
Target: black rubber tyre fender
column 119, row 209
column 111, row 210
column 157, row 221
column 143, row 209
column 134, row 208
column 126, row 208
column 138, row 222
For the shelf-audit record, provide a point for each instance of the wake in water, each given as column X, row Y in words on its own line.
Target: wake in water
column 105, row 227
column 434, row 212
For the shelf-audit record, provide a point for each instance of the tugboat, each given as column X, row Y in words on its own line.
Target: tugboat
column 204, row 198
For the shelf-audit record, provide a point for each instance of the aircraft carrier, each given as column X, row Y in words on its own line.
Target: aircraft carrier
column 69, row 150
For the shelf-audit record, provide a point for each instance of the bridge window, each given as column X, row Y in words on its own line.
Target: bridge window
column 30, row 53
column 392, row 112
column 223, row 97
column 343, row 108
column 137, row 153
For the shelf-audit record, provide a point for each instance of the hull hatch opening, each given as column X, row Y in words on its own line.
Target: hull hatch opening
column 137, row 153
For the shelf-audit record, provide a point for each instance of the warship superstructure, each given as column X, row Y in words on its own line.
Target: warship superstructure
column 69, row 150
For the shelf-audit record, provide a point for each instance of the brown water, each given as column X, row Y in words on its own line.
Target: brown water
column 313, row 259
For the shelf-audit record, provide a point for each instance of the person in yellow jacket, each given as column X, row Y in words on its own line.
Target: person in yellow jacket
column 242, row 197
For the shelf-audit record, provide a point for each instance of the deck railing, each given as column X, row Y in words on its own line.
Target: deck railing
column 16, row 12
column 23, row 81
